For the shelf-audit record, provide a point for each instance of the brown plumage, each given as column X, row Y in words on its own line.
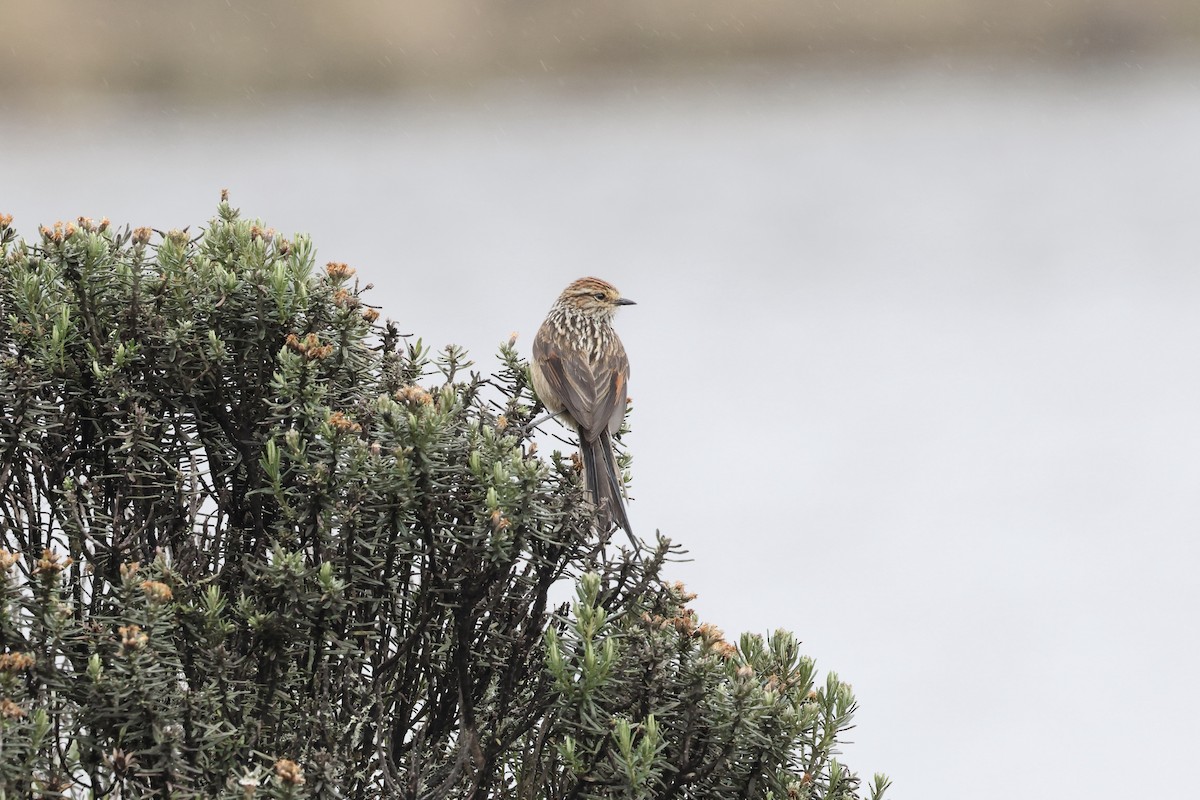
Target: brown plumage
column 580, row 372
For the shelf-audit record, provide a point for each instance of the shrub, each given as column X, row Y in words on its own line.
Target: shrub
column 257, row 544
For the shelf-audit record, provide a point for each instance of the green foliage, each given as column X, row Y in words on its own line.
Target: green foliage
column 255, row 544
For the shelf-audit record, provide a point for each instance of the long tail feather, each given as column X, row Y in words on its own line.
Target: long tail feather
column 592, row 478
column 604, row 481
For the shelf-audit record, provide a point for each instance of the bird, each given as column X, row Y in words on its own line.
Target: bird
column 580, row 373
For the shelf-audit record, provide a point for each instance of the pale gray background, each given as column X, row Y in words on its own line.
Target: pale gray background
column 914, row 359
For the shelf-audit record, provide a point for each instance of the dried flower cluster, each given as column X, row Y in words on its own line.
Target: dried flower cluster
column 338, row 271
column 289, row 772
column 16, row 662
column 132, row 637
column 344, row 299
column 157, row 591
column 310, row 346
column 11, row 710
column 51, row 563
column 343, row 424
column 58, row 233
column 91, row 226
column 414, row 396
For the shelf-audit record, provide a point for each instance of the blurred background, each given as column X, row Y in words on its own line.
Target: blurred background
column 914, row 355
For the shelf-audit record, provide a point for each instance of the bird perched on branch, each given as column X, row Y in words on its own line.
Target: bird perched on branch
column 580, row 372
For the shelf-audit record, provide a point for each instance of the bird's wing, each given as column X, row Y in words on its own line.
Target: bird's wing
column 616, row 399
column 593, row 392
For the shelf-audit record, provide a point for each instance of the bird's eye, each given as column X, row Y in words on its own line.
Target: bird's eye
column 599, row 295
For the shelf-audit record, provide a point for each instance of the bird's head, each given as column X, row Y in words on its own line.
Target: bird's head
column 593, row 297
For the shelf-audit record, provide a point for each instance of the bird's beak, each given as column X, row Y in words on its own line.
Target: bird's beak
column 624, row 301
